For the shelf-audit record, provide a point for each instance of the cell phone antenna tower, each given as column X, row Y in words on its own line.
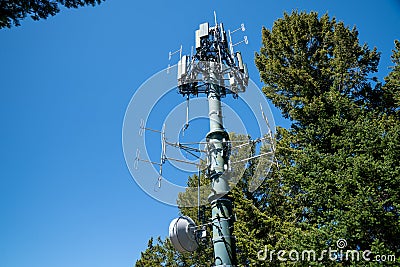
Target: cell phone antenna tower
column 214, row 70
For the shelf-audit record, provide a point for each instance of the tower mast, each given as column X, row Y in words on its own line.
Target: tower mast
column 215, row 71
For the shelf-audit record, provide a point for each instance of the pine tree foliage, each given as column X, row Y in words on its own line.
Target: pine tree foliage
column 338, row 165
column 304, row 57
column 12, row 12
column 340, row 170
column 391, row 96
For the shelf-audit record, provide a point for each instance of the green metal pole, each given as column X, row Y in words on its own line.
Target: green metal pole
column 221, row 205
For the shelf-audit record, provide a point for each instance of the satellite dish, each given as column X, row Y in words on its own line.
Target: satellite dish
column 182, row 234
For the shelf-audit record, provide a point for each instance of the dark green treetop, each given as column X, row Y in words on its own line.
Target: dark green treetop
column 340, row 167
column 12, row 12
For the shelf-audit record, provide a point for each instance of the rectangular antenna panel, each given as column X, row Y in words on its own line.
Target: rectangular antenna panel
column 223, row 34
column 200, row 33
column 203, row 31
column 198, row 43
column 182, row 66
column 179, row 69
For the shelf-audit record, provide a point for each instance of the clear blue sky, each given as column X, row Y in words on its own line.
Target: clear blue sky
column 66, row 196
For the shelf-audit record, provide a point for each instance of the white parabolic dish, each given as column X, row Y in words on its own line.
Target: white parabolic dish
column 182, row 234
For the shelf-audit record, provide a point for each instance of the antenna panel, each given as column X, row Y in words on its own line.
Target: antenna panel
column 203, row 31
column 240, row 61
column 182, row 66
column 223, row 33
column 198, row 43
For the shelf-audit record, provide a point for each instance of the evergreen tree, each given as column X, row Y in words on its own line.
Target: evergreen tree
column 12, row 12
column 339, row 170
column 391, row 89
